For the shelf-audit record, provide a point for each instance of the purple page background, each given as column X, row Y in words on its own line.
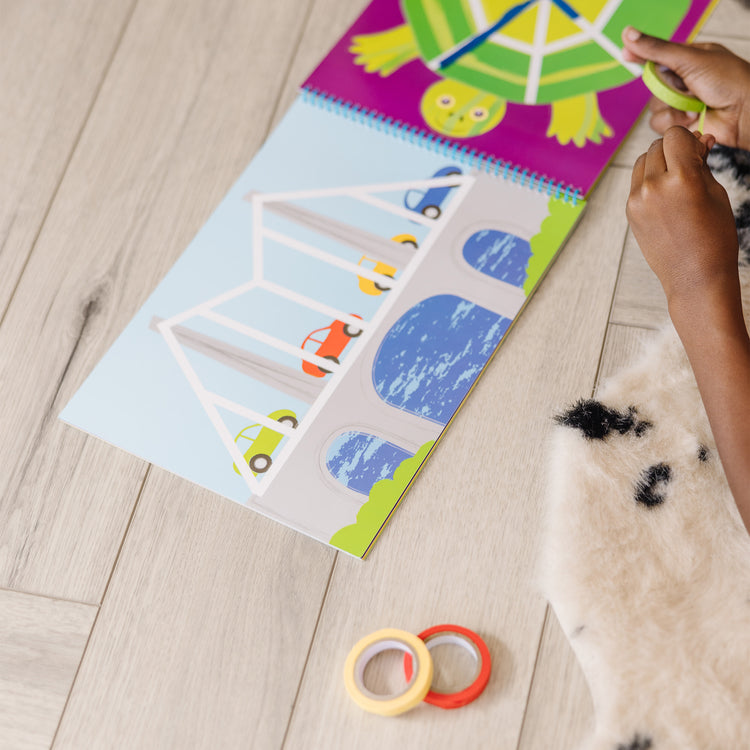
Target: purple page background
column 520, row 138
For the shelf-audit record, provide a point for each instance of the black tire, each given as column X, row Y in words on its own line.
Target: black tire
column 383, row 288
column 333, row 359
column 288, row 420
column 260, row 463
column 351, row 331
column 431, row 212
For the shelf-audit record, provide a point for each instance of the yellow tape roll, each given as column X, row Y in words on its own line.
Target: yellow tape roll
column 375, row 643
column 675, row 99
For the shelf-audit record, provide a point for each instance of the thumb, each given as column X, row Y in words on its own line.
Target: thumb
column 708, row 141
column 680, row 58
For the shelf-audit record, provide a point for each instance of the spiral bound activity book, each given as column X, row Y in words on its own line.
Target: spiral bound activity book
column 317, row 336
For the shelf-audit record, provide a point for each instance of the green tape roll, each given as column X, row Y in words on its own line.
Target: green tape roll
column 675, row 99
column 662, row 90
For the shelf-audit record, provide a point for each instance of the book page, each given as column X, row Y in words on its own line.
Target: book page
column 541, row 84
column 319, row 333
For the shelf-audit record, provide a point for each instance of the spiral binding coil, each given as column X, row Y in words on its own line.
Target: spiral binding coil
column 439, row 145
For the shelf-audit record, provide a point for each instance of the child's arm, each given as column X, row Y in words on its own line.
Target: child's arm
column 684, row 225
column 711, row 72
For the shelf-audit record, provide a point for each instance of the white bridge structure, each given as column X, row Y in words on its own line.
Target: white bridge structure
column 345, row 400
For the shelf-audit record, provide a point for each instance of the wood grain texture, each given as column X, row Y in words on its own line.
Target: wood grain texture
column 41, row 643
column 204, row 631
column 463, row 545
column 176, row 121
column 639, row 299
column 730, row 18
column 53, row 58
column 326, row 22
column 560, row 711
column 623, row 346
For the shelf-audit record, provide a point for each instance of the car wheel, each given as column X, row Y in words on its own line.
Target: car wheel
column 431, row 212
column 379, row 286
column 451, row 173
column 288, row 419
column 351, row 331
column 260, row 463
column 333, row 359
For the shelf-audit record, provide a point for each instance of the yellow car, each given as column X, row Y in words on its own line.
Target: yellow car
column 375, row 288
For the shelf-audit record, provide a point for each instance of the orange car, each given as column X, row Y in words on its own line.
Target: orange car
column 329, row 346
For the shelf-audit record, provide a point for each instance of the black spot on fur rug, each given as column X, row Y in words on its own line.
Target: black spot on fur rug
column 646, row 560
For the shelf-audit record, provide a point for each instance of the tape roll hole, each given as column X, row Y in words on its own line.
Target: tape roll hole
column 379, row 671
column 666, row 85
column 456, row 662
column 671, row 79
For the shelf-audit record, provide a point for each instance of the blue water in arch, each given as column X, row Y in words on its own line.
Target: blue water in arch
column 432, row 355
column 501, row 255
column 358, row 460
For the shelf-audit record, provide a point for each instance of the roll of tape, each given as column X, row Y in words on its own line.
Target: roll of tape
column 662, row 90
column 418, row 682
column 456, row 635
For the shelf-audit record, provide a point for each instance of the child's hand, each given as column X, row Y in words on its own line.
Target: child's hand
column 709, row 71
column 683, row 222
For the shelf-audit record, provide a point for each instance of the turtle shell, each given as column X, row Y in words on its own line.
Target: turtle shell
column 535, row 51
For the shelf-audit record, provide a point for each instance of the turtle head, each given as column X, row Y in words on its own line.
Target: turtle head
column 459, row 110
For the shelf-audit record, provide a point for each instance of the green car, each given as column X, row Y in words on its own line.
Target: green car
column 262, row 443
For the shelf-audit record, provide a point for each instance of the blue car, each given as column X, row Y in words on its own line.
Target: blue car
column 428, row 202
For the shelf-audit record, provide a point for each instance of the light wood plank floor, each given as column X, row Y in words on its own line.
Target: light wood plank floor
column 139, row 611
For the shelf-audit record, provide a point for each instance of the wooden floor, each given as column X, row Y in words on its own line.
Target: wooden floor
column 139, row 611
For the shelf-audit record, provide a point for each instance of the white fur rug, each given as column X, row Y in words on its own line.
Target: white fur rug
column 646, row 560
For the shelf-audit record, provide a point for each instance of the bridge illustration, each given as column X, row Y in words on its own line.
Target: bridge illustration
column 341, row 396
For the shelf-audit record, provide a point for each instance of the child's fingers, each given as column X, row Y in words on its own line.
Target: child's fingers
column 665, row 118
column 642, row 47
column 708, row 140
column 656, row 163
column 630, row 37
column 657, row 105
column 684, row 150
column 628, row 56
column 636, row 179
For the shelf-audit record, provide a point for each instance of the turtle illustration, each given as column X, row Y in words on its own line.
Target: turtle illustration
column 490, row 52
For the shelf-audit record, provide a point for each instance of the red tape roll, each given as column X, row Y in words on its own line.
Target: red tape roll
column 455, row 634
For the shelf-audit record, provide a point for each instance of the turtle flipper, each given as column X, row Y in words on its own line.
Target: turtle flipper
column 385, row 51
column 578, row 119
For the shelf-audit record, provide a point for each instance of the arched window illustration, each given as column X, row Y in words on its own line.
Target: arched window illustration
column 501, row 255
column 429, row 359
column 358, row 460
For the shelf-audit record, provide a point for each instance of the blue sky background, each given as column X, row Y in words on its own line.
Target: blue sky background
column 137, row 397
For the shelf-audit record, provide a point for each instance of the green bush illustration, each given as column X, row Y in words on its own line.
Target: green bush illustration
column 555, row 228
column 383, row 499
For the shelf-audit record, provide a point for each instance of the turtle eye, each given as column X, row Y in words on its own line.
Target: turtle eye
column 445, row 101
column 478, row 113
